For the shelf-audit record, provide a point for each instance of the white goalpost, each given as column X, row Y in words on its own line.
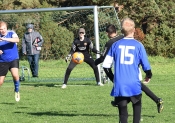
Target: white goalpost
column 101, row 16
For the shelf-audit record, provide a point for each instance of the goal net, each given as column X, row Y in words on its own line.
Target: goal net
column 58, row 26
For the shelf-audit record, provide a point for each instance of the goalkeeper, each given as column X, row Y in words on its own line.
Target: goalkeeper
column 83, row 45
column 111, row 32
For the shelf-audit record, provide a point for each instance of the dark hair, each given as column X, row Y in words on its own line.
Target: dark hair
column 110, row 29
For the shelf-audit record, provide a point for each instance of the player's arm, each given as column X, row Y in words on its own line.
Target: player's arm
column 93, row 49
column 148, row 76
column 102, row 57
column 1, row 52
column 73, row 48
column 145, row 64
column 14, row 38
column 109, row 73
column 107, row 64
column 108, row 61
column 99, row 60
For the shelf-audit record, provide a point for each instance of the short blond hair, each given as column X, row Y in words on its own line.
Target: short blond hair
column 2, row 23
column 128, row 26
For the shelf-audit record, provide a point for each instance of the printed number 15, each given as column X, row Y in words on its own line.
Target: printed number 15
column 125, row 53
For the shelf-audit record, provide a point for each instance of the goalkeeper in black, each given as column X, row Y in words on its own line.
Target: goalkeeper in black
column 83, row 45
column 111, row 32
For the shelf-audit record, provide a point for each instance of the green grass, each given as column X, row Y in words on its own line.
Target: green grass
column 82, row 101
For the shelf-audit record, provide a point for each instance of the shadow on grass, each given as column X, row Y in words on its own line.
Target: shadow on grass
column 74, row 113
column 38, row 84
column 66, row 114
column 54, row 84
column 8, row 103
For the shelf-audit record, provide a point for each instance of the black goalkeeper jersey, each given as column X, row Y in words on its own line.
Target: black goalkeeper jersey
column 83, row 46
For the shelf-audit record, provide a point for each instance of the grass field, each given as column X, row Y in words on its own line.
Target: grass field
column 83, row 101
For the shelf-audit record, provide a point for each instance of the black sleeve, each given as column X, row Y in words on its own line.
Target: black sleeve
column 148, row 73
column 99, row 60
column 109, row 44
column 91, row 46
column 73, row 48
column 109, row 73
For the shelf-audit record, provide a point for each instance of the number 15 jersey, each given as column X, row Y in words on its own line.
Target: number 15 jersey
column 126, row 55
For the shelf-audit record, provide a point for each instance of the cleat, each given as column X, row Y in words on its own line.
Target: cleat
column 159, row 105
column 17, row 96
column 113, row 104
column 100, row 84
column 63, row 86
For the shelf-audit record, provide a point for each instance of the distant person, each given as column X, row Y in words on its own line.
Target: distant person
column 9, row 57
column 83, row 45
column 31, row 46
column 126, row 55
column 113, row 37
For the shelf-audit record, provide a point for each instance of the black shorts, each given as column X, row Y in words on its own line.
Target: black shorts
column 5, row 66
column 133, row 99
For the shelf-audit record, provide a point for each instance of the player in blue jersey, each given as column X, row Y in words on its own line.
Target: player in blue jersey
column 111, row 32
column 9, row 58
column 126, row 55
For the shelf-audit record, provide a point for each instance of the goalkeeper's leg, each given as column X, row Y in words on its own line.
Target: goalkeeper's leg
column 91, row 63
column 67, row 74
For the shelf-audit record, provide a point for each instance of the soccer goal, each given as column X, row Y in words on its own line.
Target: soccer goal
column 58, row 27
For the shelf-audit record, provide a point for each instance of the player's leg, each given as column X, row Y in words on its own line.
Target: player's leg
column 122, row 108
column 2, row 80
column 156, row 99
column 35, row 65
column 4, row 67
column 67, row 74
column 91, row 63
column 136, row 103
column 14, row 69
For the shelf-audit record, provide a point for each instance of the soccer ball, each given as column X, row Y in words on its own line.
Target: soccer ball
column 78, row 57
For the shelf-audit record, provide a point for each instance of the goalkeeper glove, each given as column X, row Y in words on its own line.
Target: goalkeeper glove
column 68, row 58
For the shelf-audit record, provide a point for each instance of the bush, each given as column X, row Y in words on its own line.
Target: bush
column 57, row 41
column 160, row 41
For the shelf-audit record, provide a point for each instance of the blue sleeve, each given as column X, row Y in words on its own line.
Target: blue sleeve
column 144, row 59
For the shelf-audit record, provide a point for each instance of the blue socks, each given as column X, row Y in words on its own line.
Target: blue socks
column 16, row 84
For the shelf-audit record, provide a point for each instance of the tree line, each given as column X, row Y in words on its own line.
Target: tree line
column 154, row 22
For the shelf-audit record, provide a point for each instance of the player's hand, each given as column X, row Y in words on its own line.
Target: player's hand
column 68, row 58
column 147, row 80
column 1, row 52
